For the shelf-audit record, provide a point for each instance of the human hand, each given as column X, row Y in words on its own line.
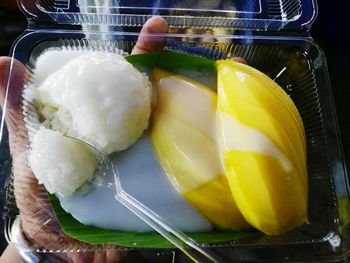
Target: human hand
column 39, row 226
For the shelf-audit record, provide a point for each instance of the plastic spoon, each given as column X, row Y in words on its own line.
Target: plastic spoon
column 195, row 251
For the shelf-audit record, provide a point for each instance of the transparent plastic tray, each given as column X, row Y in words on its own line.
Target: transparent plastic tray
column 253, row 14
column 298, row 66
column 293, row 60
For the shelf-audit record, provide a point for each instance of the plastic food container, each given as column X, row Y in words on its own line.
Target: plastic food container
column 273, row 36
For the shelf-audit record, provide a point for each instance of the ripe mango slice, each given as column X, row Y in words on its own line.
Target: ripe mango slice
column 263, row 148
column 183, row 136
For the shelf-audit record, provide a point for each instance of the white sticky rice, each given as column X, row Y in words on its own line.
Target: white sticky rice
column 60, row 163
column 98, row 97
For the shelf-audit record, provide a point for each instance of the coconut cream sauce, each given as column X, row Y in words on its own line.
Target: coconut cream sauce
column 142, row 177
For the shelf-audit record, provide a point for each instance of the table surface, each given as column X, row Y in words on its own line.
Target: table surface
column 329, row 31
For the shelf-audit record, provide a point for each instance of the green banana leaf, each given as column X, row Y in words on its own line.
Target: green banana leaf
column 171, row 61
column 94, row 235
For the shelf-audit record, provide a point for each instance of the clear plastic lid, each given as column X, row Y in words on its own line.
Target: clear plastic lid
column 238, row 14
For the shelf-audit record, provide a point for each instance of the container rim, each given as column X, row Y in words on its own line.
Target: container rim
column 261, row 15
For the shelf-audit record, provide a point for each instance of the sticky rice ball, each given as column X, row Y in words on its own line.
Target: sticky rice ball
column 60, row 163
column 98, row 97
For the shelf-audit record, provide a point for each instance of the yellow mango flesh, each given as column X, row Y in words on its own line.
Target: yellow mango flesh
column 263, row 148
column 182, row 134
column 220, row 208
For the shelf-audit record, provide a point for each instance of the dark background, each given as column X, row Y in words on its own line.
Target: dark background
column 330, row 30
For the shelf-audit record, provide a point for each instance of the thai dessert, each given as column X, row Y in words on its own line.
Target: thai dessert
column 228, row 157
column 110, row 109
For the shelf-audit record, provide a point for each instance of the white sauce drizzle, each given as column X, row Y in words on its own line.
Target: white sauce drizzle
column 237, row 136
column 144, row 178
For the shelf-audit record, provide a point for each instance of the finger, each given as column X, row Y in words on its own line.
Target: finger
column 11, row 84
column 11, row 254
column 108, row 256
column 13, row 94
column 147, row 43
column 239, row 60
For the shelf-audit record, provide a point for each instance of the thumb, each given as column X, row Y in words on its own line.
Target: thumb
column 147, row 43
column 11, row 85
